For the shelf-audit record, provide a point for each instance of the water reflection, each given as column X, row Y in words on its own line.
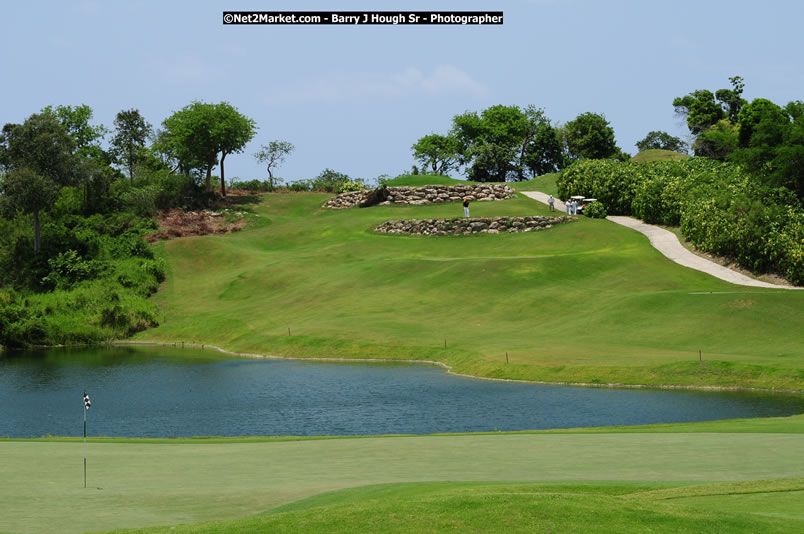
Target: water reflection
column 166, row 392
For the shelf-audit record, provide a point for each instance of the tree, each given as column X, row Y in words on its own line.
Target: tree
column 174, row 155
column 42, row 145
column 542, row 148
column 199, row 132
column 731, row 99
column 501, row 143
column 590, row 136
column 439, row 152
column 712, row 118
column 717, row 142
column 788, row 164
column 128, row 142
column 490, row 144
column 274, row 155
column 37, row 156
column 662, row 141
column 233, row 132
column 769, row 143
column 75, row 120
column 29, row 192
column 329, row 180
column 700, row 109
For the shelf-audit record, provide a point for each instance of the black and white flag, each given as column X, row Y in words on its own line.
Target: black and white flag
column 87, row 404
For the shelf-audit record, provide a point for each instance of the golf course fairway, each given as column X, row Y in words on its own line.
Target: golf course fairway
column 584, row 302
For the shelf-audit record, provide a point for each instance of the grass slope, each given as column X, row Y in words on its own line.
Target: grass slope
column 545, row 183
column 656, row 154
column 589, row 301
column 525, row 508
column 673, row 481
column 417, row 180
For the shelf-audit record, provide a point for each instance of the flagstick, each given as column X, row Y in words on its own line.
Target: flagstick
column 85, row 447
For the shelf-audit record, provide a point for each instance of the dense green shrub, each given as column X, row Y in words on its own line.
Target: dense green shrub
column 596, row 210
column 262, row 186
column 301, row 185
column 68, row 268
column 349, row 186
column 611, row 182
column 88, row 283
column 719, row 207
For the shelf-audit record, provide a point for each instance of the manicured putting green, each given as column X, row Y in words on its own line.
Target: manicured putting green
column 141, row 484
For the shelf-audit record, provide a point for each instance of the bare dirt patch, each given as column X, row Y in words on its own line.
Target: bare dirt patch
column 177, row 223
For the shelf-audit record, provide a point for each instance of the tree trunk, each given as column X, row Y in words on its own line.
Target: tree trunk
column 521, row 170
column 36, row 231
column 270, row 178
column 209, row 174
column 223, row 180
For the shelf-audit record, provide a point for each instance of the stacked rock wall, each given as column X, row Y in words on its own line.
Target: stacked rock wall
column 467, row 225
column 429, row 194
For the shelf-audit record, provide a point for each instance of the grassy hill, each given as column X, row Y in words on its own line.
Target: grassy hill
column 656, row 154
column 422, row 179
column 584, row 302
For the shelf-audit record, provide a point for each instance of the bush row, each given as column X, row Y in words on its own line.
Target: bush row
column 719, row 207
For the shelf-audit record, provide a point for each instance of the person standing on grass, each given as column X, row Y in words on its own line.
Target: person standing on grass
column 466, row 206
column 550, row 201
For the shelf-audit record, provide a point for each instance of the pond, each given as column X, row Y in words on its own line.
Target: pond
column 174, row 392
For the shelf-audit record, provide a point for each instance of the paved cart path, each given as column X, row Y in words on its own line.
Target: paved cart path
column 668, row 244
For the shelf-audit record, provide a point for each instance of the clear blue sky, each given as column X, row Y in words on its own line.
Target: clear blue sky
column 355, row 98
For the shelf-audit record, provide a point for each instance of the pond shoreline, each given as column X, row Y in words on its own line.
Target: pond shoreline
column 448, row 368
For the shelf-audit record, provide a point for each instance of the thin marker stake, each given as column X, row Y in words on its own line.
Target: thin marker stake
column 87, row 404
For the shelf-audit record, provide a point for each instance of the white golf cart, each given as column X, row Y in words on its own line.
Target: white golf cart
column 582, row 202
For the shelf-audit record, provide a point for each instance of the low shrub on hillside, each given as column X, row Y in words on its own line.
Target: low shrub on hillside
column 596, row 210
column 719, row 207
column 89, row 282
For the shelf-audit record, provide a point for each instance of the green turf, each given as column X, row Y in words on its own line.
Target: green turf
column 525, row 508
column 589, row 301
column 545, row 183
column 417, row 180
column 141, row 484
column 656, row 154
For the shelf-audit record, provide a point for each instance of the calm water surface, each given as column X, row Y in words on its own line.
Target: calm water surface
column 166, row 392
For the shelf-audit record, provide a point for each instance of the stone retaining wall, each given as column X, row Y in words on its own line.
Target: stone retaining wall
column 429, row 194
column 468, row 225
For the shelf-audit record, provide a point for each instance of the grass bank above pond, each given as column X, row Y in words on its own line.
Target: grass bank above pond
column 584, row 302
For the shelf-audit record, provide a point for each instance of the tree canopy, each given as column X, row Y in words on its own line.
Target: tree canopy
column 590, row 136
column 128, row 142
column 199, row 132
column 662, row 141
column 438, row 152
column 272, row 155
column 37, row 156
column 501, row 143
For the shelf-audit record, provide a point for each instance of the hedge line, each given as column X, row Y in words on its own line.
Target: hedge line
column 719, row 207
